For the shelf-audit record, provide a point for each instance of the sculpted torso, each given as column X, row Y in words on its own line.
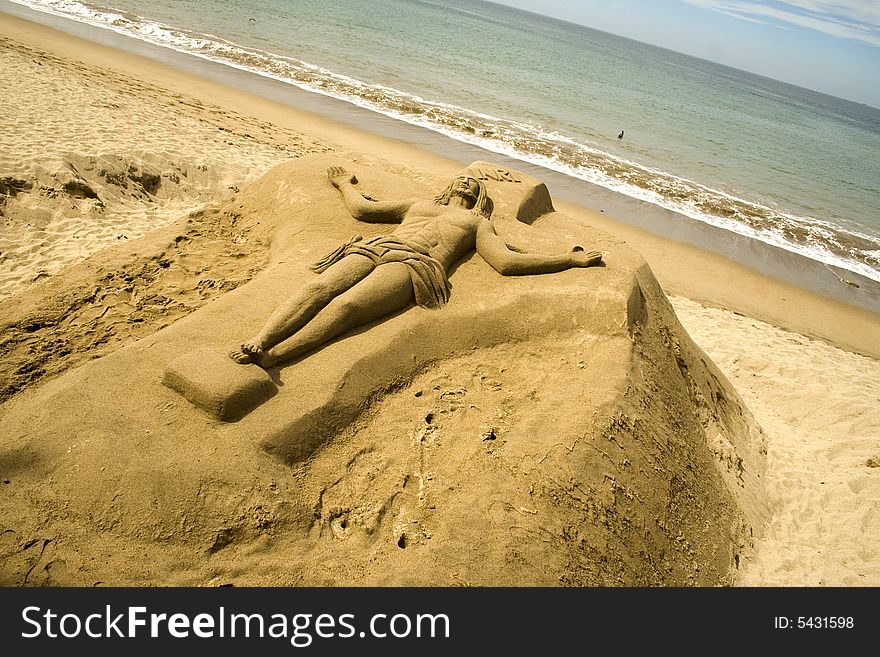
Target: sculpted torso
column 448, row 233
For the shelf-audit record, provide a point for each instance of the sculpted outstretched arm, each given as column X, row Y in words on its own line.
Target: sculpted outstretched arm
column 514, row 263
column 376, row 212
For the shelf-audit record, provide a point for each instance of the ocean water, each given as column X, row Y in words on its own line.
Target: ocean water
column 784, row 165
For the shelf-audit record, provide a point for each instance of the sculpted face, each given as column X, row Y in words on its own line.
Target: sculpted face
column 467, row 188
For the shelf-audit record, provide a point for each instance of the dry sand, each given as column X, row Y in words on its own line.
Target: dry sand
column 818, row 404
column 820, row 408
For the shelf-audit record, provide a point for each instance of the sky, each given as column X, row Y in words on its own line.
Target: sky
column 832, row 47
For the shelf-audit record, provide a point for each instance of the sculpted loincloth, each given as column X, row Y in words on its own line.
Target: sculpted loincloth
column 430, row 284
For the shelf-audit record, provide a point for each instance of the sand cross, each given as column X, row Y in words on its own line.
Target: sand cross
column 367, row 279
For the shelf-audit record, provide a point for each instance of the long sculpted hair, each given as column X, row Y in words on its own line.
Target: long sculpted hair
column 483, row 206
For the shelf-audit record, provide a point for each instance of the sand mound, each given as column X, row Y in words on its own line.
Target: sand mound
column 124, row 293
column 557, row 429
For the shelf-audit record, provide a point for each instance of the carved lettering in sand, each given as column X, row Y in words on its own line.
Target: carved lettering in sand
column 501, row 175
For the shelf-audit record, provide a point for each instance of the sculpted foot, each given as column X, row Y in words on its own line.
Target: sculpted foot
column 248, row 353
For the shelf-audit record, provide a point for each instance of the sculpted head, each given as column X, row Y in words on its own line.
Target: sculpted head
column 472, row 191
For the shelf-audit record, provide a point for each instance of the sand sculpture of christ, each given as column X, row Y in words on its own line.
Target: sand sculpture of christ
column 367, row 279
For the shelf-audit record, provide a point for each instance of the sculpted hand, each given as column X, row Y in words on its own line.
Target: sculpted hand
column 581, row 258
column 339, row 176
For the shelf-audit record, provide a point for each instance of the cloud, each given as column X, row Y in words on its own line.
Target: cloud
column 858, row 21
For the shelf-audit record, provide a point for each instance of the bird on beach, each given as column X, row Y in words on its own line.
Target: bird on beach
column 620, row 136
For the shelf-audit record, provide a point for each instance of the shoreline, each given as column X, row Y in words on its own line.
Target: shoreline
column 683, row 269
column 781, row 258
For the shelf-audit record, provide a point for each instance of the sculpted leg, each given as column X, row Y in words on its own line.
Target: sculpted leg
column 295, row 313
column 387, row 289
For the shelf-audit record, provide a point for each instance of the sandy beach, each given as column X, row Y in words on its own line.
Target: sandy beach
column 120, row 179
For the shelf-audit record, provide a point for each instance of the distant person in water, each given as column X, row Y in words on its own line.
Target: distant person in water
column 366, row 279
column 620, row 136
